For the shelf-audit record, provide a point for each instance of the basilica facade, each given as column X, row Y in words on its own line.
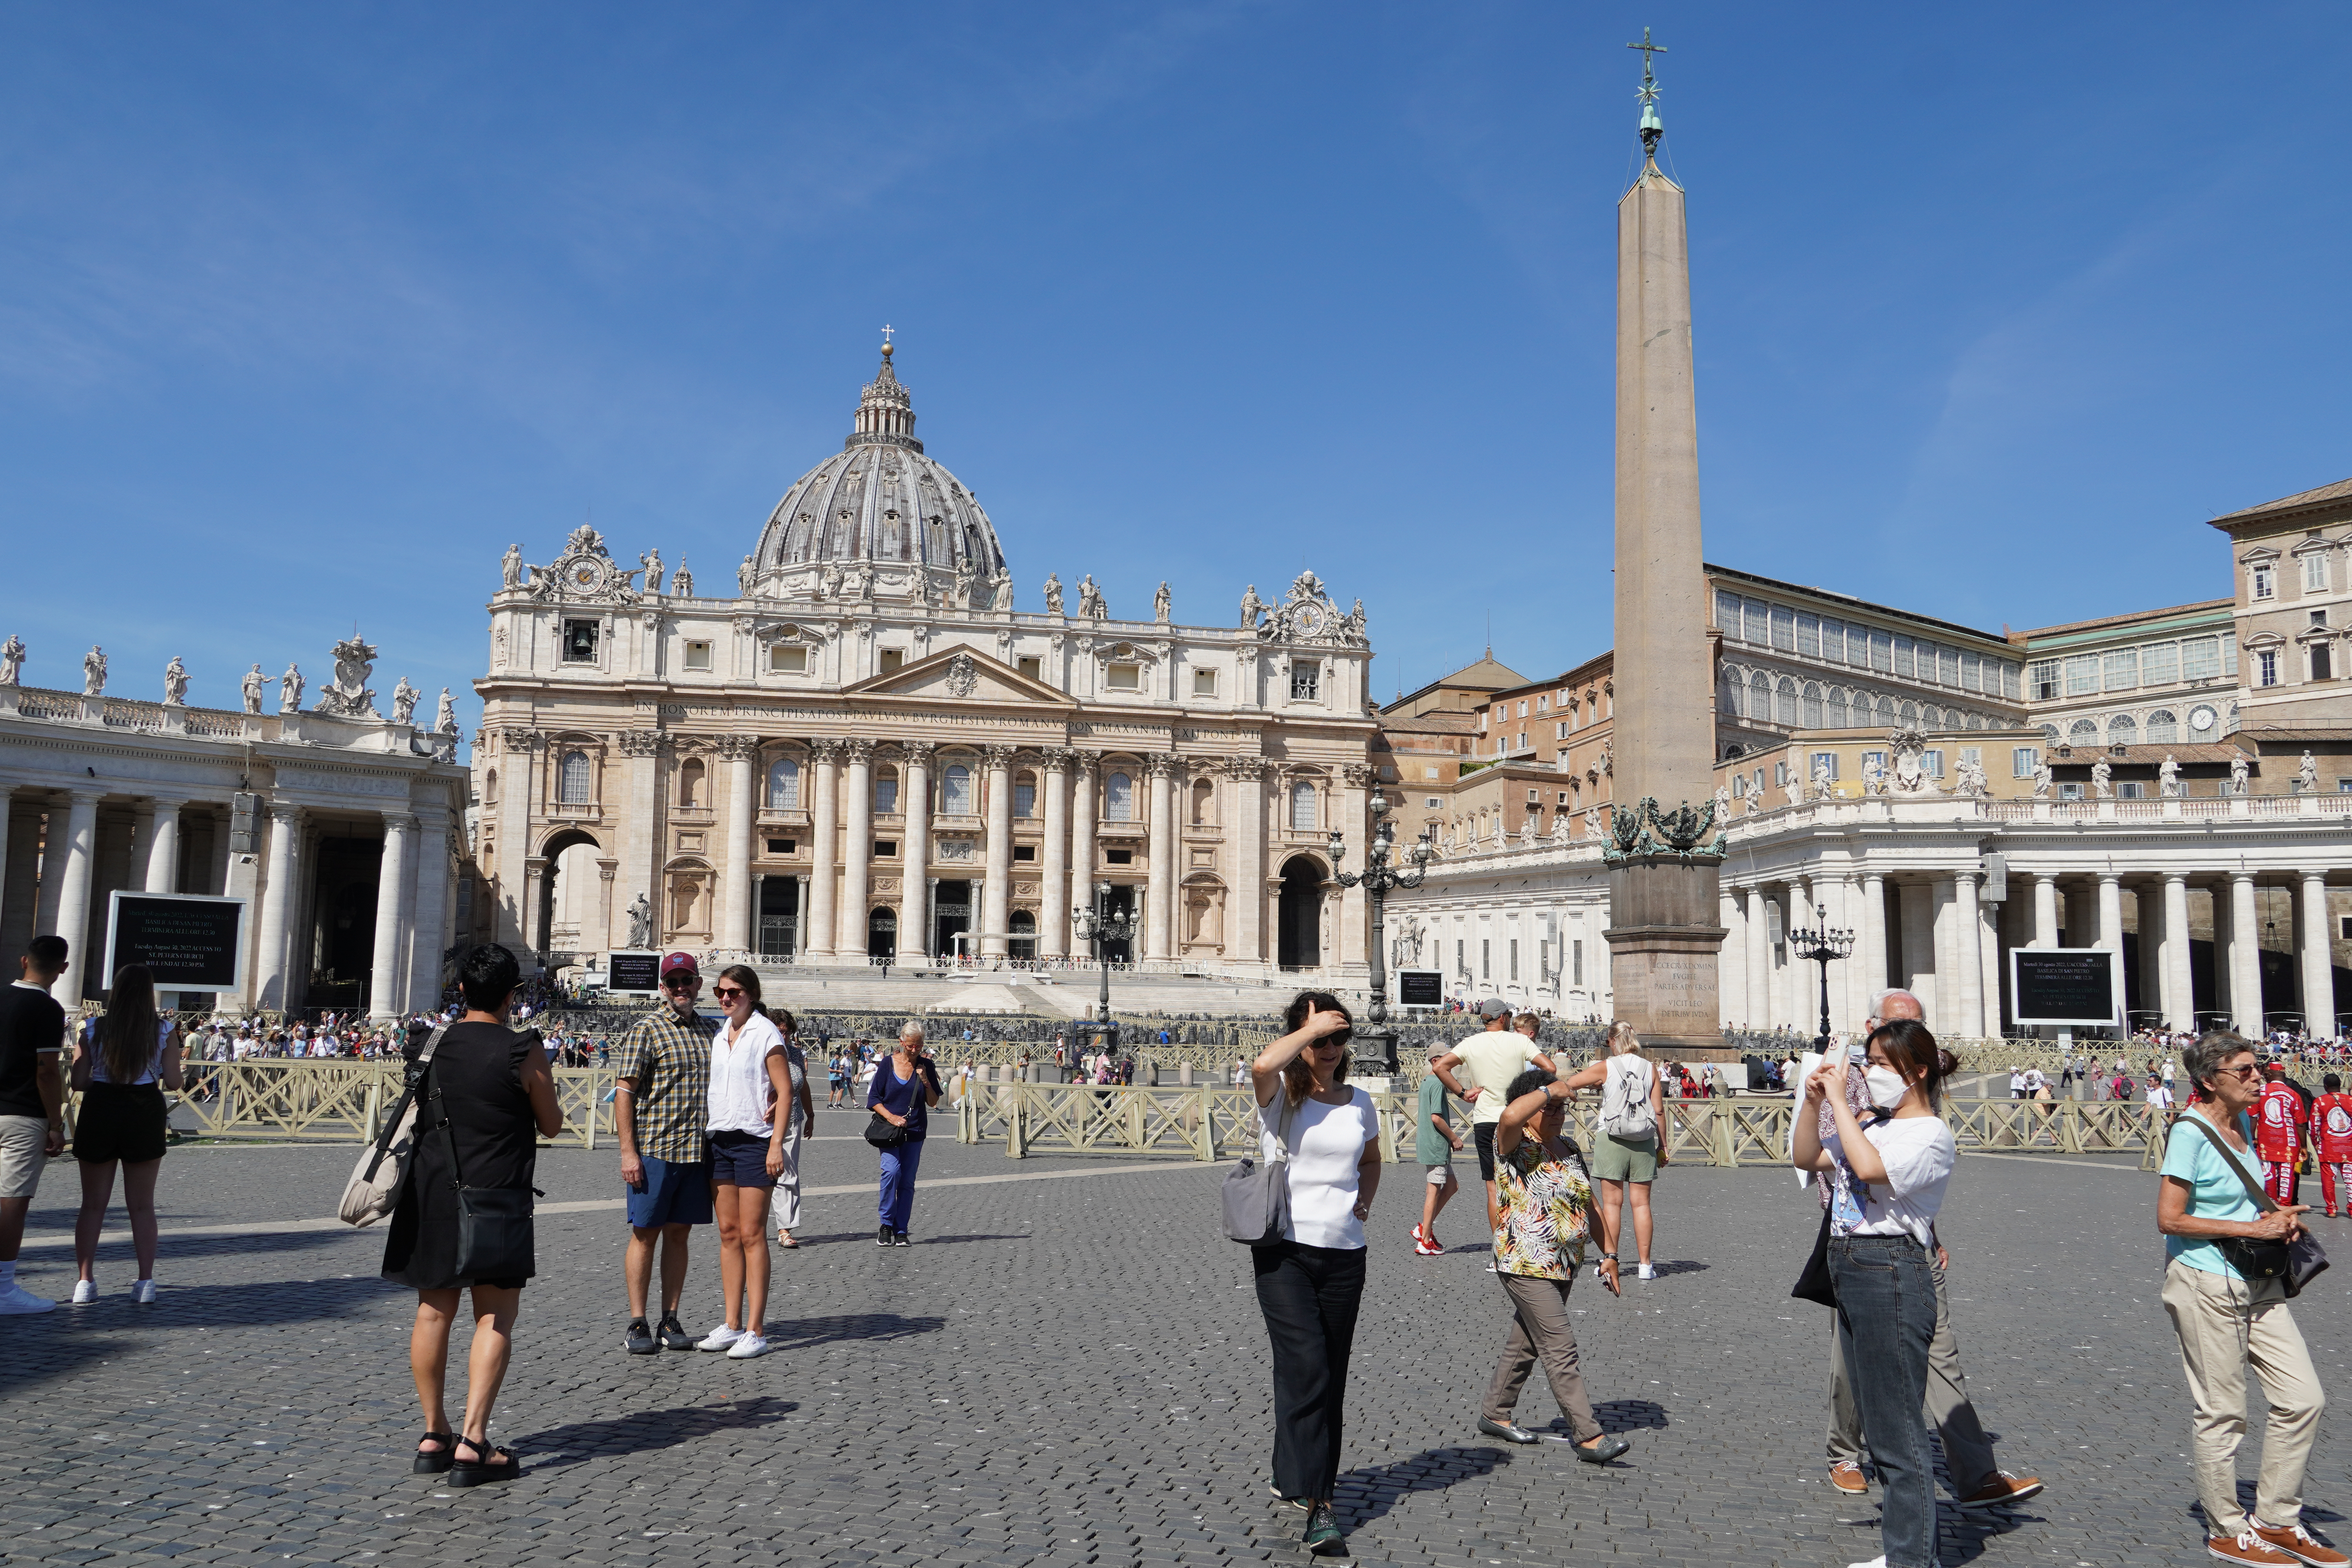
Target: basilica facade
column 862, row 751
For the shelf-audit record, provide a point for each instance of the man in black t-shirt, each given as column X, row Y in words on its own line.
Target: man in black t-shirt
column 32, row 1103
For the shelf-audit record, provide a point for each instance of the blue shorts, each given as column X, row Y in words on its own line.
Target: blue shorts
column 740, row 1159
column 676, row 1192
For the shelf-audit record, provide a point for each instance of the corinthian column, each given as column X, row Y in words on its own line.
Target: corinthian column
column 996, row 901
column 1083, row 822
column 857, row 858
column 269, row 978
column 1249, row 892
column 733, row 929
column 518, row 808
column 640, row 850
column 824, row 845
column 1053, row 888
column 391, row 910
column 164, row 854
column 74, row 854
column 1160, row 884
column 914, row 850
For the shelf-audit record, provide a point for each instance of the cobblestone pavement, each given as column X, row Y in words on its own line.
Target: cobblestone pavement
column 1068, row 1370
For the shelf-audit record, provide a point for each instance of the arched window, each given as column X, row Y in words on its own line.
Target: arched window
column 1784, row 703
column 1302, row 806
column 1910, row 715
column 1204, row 803
column 1727, row 695
column 1932, row 717
column 689, row 783
column 784, row 785
column 572, row 779
column 490, row 787
column 1025, row 795
column 1118, row 798
column 2163, row 728
column 1833, row 709
column 1760, row 698
column 2083, row 732
column 955, row 791
column 1886, row 710
column 886, row 790
column 2122, row 730
column 2050, row 733
column 1812, row 710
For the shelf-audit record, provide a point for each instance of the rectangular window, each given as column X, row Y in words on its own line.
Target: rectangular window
column 1932, row 759
column 1727, row 613
column 1972, row 754
column 1832, row 640
column 1815, row 770
column 782, row 846
column 786, row 659
column 2131, row 789
column 1576, row 962
column 886, row 796
column 1025, row 800
column 697, row 656
column 1947, row 665
column 1560, row 731
column 1784, row 628
column 885, row 849
column 2320, row 668
column 1030, row 665
column 1779, row 776
column 1882, row 652
column 1306, row 682
column 1756, row 615
column 1809, row 636
column 2070, row 792
column 2082, row 674
column 1433, row 804
column 1119, row 856
column 1485, row 959
column 1025, row 852
column 1460, row 967
column 2314, row 572
column 579, row 642
column 893, row 658
column 1432, row 772
column 2201, row 658
column 1514, row 957
column 1971, row 672
column 1123, row 677
column 2266, row 667
column 2009, row 678
column 2264, row 582
column 1904, row 665
column 2044, row 681
column 2123, row 669
column 1543, row 704
column 2159, row 663
column 2022, row 760
column 1870, row 757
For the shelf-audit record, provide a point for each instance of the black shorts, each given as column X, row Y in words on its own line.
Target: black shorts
column 122, row 1122
column 1483, row 1134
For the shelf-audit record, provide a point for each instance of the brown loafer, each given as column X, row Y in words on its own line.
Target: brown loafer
column 2296, row 1543
column 1847, row 1476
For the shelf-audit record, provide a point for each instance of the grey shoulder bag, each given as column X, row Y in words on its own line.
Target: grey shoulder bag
column 1257, row 1194
column 374, row 1190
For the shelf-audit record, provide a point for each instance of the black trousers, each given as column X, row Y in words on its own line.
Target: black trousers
column 1310, row 1296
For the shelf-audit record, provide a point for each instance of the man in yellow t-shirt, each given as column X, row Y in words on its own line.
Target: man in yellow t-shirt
column 1487, row 1063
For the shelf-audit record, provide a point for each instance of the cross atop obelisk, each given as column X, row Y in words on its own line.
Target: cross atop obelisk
column 1651, row 126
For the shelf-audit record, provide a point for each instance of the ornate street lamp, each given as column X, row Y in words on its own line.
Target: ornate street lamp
column 1101, row 925
column 1376, row 1046
column 1819, row 945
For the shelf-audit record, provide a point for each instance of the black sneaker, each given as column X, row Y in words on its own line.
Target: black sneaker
column 901, row 1238
column 641, row 1340
column 1322, row 1535
column 882, row 1236
column 674, row 1334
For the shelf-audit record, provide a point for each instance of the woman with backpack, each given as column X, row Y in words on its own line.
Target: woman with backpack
column 1629, row 1150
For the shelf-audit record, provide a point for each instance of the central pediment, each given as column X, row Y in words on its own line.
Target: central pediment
column 961, row 675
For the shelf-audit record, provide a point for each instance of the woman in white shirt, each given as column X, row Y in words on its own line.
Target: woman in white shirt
column 1310, row 1284
column 1887, row 1179
column 750, row 1106
column 121, row 1076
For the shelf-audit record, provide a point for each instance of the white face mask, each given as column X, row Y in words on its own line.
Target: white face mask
column 1886, row 1087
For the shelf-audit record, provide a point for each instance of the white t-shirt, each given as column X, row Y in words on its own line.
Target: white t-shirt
column 1327, row 1143
column 741, row 1096
column 1919, row 1153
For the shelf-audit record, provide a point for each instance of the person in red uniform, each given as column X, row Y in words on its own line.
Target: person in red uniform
column 2331, row 1139
column 2278, row 1133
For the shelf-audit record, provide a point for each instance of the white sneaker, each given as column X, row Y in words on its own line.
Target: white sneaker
column 1650, row 1271
column 749, row 1345
column 85, row 1292
column 1878, row 1561
column 16, row 1300
column 719, row 1337
column 144, row 1292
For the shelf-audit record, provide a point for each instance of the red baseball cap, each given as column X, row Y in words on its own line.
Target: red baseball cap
column 677, row 961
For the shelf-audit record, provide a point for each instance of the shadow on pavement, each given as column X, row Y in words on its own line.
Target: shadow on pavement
column 560, row 1447
column 1365, row 1495
column 867, row 1236
column 1629, row 1415
column 807, row 1334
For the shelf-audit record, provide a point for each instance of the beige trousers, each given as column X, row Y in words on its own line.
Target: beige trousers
column 2225, row 1326
column 784, row 1206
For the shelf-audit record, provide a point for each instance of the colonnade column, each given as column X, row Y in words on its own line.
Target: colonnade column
column 2111, row 911
column 164, row 858
column 1084, row 855
column 733, row 930
column 857, row 850
column 1053, row 886
column 1915, row 966
column 1731, row 968
column 72, row 917
column 518, row 801
column 20, row 839
column 825, row 846
column 1759, row 962
column 1871, row 942
column 1159, row 881
column 1248, row 774
column 2148, row 897
column 2045, row 912
column 143, row 843
column 391, row 898
column 429, row 877
column 270, row 987
column 1800, row 981
column 2245, row 956
column 2181, row 995
column 2317, row 962
column 996, row 898
column 915, row 849
column 1967, row 957
column 641, row 850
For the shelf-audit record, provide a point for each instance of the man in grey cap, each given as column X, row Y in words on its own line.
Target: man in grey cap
column 1487, row 1063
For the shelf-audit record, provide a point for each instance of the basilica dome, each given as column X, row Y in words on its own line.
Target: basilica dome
column 878, row 509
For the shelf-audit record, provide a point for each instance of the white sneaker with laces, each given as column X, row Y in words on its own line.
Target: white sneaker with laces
column 144, row 1292
column 1650, row 1271
column 15, row 1302
column 85, row 1292
column 749, row 1345
column 719, row 1337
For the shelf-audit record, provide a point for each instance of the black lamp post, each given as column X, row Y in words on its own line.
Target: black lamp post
column 1380, row 878
column 1819, row 945
column 1099, row 925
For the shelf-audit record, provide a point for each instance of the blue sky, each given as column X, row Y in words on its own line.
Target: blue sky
column 306, row 311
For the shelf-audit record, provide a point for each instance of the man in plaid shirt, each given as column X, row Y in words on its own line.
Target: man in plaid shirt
column 661, row 1110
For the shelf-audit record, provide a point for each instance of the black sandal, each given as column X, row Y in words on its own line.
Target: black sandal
column 438, row 1459
column 474, row 1472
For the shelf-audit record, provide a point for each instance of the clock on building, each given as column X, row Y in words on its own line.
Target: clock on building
column 2201, row 718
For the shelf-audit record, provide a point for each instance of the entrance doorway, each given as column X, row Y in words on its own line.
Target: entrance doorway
column 950, row 914
column 780, row 917
column 1024, row 944
column 882, row 933
column 1299, row 919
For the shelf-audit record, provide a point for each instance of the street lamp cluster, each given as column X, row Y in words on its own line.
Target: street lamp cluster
column 1103, row 925
column 1380, row 877
column 1819, row 945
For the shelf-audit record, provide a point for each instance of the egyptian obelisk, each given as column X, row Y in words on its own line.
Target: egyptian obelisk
column 1662, row 936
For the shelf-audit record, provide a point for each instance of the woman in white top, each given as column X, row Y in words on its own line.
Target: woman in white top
column 751, row 1103
column 1886, row 1181
column 1310, row 1284
column 122, row 1075
column 1630, row 1144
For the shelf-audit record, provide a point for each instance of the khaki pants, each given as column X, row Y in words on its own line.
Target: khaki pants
column 1540, row 1331
column 1967, row 1452
column 2225, row 1326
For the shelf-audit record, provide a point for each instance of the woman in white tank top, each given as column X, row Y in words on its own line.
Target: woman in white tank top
column 122, row 1075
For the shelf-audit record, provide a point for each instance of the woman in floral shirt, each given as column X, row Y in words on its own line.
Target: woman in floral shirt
column 1545, row 1193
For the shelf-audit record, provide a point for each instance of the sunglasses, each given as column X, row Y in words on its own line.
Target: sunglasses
column 1335, row 1041
column 680, row 983
column 2249, row 1071
column 727, row 993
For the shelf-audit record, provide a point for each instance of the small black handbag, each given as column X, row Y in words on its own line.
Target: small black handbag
column 496, row 1239
column 2293, row 1264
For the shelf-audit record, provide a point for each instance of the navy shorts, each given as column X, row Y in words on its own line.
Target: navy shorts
column 740, row 1159
column 676, row 1192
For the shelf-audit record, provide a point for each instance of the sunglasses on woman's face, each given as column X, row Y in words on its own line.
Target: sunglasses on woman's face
column 1333, row 1042
column 727, row 993
column 2249, row 1071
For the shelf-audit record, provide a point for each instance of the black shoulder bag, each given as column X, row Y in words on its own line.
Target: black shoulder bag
column 1815, row 1284
column 2293, row 1264
column 495, row 1235
column 880, row 1130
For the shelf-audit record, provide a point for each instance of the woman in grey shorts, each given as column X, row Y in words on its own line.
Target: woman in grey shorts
column 1628, row 1148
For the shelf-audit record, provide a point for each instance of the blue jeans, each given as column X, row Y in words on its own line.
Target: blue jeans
column 899, row 1183
column 1887, row 1304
